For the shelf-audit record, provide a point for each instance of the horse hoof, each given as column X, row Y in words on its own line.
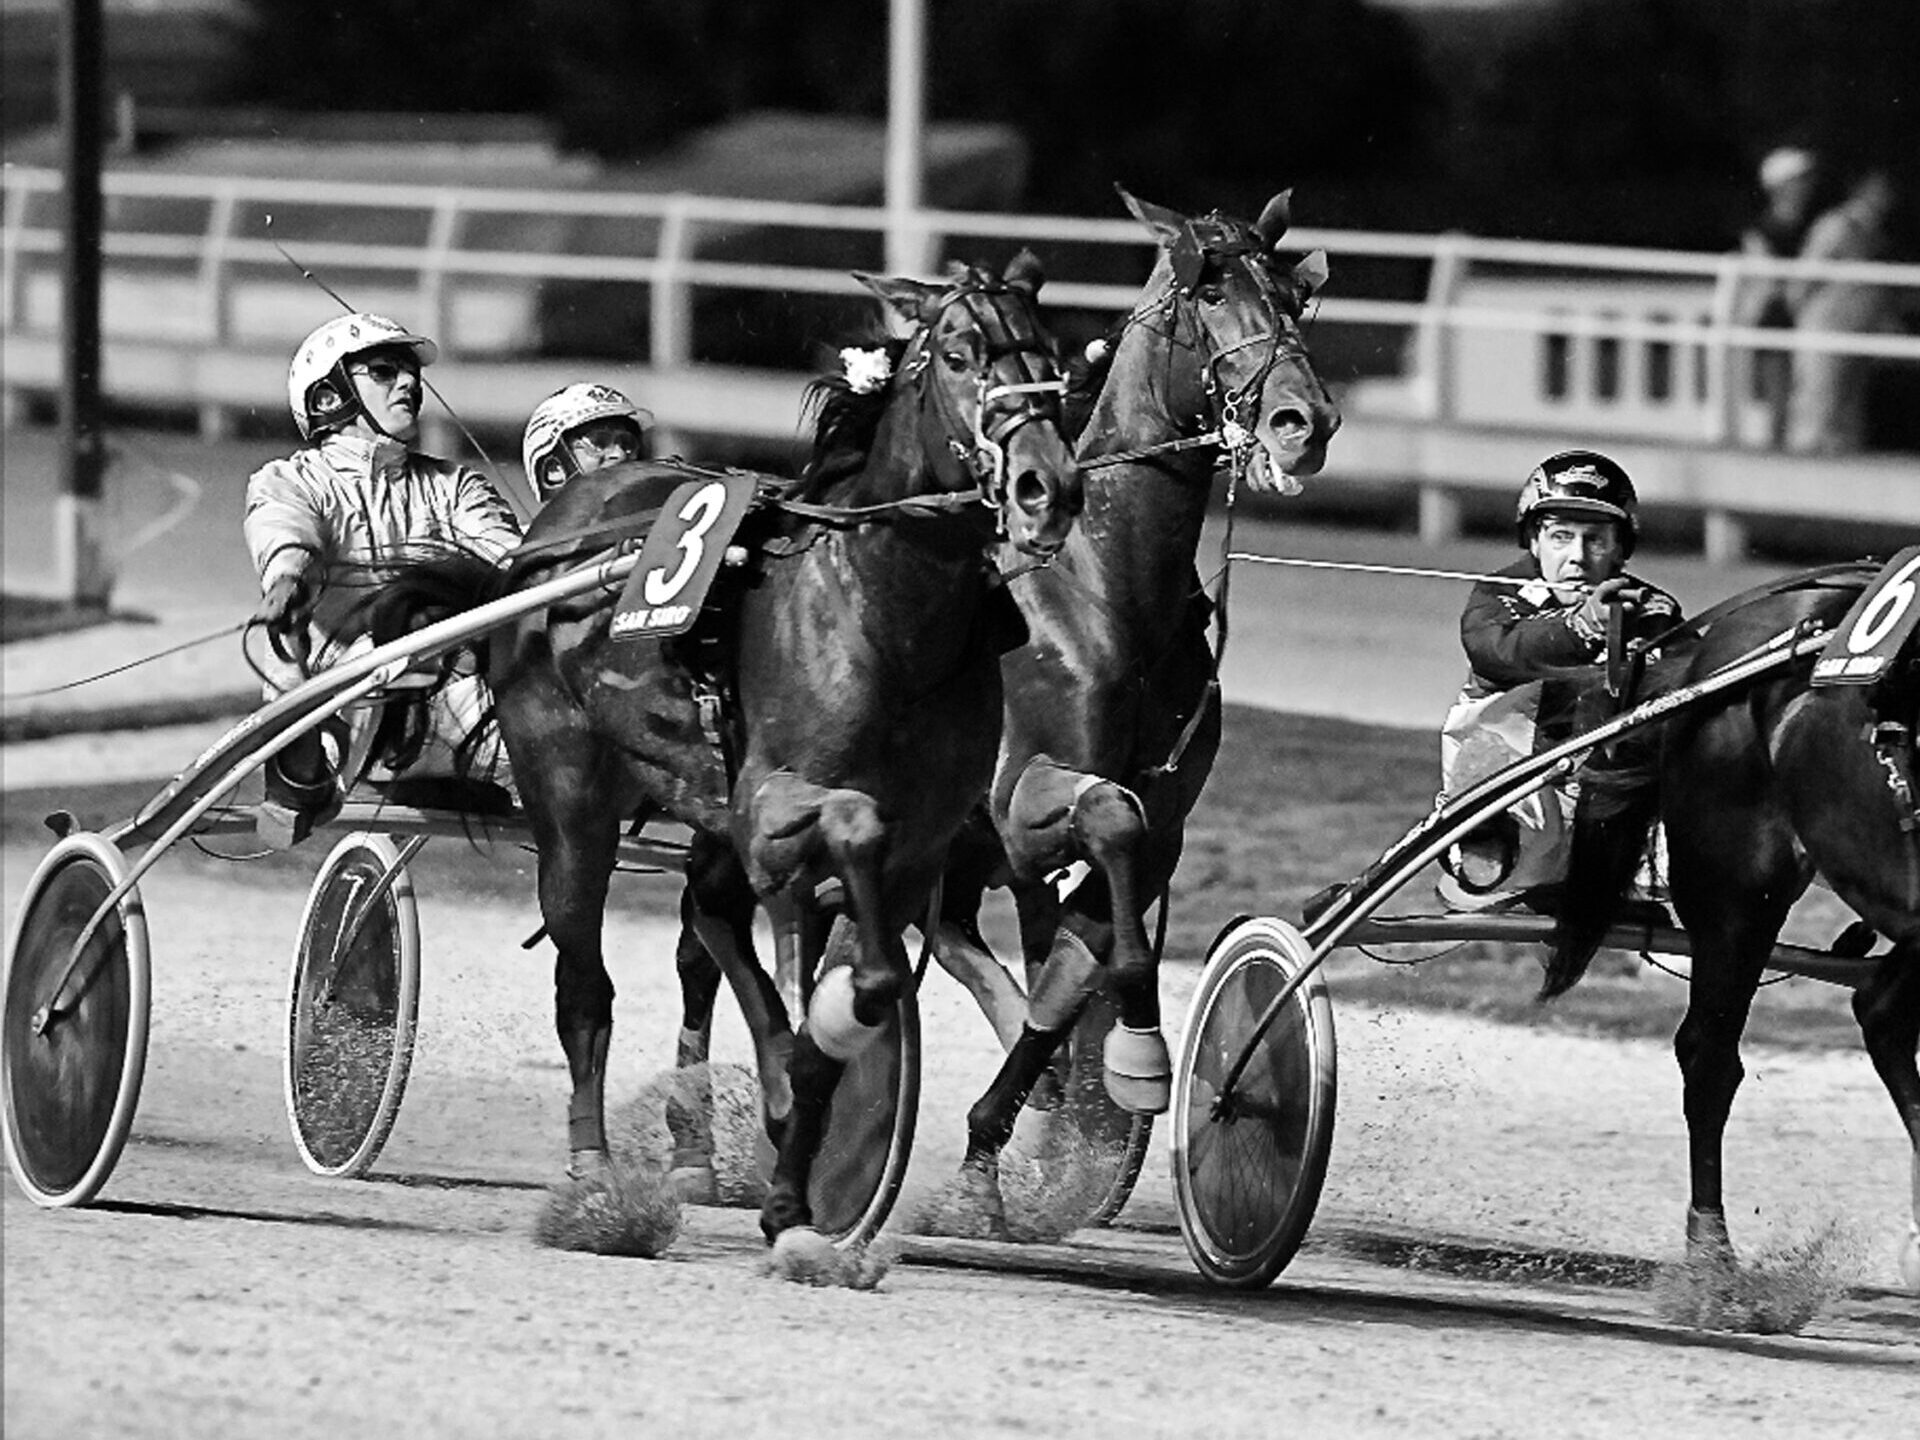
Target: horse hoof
column 804, row 1256
column 1910, row 1258
column 694, row 1185
column 1139, row 1071
column 831, row 1021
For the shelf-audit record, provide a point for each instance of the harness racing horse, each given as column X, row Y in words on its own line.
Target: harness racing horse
column 1113, row 707
column 1761, row 790
column 861, row 657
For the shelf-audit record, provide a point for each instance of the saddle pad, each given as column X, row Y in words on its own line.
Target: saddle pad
column 1876, row 628
column 681, row 556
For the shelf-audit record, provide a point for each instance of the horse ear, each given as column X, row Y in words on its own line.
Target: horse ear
column 908, row 297
column 1311, row 273
column 1275, row 219
column 1163, row 222
column 1025, row 272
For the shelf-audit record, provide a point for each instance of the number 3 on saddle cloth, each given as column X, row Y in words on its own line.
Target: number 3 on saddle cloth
column 451, row 732
column 1874, row 645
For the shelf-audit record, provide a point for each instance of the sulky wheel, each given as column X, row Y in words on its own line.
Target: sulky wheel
column 75, row 1043
column 862, row 1161
column 352, row 1006
column 1248, row 1164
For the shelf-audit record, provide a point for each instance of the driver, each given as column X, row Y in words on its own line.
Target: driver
column 578, row 430
column 1577, row 522
column 355, row 495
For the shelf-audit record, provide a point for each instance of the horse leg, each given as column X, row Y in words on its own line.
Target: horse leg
column 690, row 1099
column 813, row 1075
column 964, row 954
column 719, row 906
column 1888, row 1009
column 1733, row 928
column 791, row 824
column 1112, row 826
column 577, row 853
column 1053, row 815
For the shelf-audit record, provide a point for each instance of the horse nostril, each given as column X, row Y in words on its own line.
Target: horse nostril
column 1289, row 421
column 1030, row 492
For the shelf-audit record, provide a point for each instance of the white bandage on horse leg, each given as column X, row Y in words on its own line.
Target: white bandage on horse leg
column 1139, row 1070
column 830, row 1018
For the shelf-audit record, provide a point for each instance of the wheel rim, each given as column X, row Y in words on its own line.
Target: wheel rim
column 856, row 1175
column 1249, row 1173
column 352, row 1009
column 72, row 1084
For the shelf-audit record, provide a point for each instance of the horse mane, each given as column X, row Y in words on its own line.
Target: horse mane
column 1086, row 376
column 845, row 421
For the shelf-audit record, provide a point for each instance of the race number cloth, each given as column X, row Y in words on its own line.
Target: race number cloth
column 1486, row 734
column 682, row 554
column 1876, row 629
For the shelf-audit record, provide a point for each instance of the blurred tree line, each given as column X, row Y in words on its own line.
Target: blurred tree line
column 1624, row 121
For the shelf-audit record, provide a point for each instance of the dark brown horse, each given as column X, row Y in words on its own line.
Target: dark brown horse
column 1761, row 790
column 1113, row 708
column 861, row 655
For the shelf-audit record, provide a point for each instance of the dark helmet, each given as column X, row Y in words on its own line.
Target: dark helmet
column 1578, row 482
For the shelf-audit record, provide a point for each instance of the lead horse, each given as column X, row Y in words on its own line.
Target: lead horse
column 860, row 652
column 1113, row 707
column 1760, row 792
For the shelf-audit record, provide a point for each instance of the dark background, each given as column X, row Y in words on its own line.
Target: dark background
column 1618, row 121
column 1621, row 121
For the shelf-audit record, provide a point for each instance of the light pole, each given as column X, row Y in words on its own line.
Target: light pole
column 79, row 553
column 909, row 246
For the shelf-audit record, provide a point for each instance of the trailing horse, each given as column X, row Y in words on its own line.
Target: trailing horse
column 1761, row 791
column 1113, row 707
column 857, row 653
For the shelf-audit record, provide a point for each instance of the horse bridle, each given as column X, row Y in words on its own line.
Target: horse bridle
column 986, row 458
column 1204, row 244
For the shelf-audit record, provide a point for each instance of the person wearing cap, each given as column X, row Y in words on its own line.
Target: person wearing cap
column 577, row 430
column 1791, row 181
column 1827, row 407
column 354, row 498
column 1524, row 631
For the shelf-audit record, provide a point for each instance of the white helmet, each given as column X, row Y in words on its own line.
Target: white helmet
column 567, row 410
column 325, row 351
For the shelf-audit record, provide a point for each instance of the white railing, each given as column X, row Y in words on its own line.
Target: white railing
column 198, row 298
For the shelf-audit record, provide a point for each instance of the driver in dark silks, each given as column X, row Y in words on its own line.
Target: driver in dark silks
column 1577, row 521
column 356, row 497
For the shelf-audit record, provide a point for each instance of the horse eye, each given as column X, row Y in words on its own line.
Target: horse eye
column 1210, row 294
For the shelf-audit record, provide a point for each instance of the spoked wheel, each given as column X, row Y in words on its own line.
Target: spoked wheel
column 352, row 1006
column 75, row 1033
column 1248, row 1163
column 862, row 1162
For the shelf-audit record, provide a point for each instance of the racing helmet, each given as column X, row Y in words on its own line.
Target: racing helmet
column 322, row 356
column 1579, row 482
column 562, row 412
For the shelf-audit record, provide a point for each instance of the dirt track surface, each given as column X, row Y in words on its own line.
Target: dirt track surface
column 219, row 1290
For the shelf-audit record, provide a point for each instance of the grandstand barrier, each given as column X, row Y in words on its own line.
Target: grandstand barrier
column 1457, row 360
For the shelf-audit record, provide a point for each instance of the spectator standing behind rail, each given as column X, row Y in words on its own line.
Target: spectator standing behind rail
column 1827, row 407
column 1790, row 184
column 354, row 497
column 1525, row 636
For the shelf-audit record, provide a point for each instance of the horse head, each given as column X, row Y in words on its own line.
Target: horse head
column 985, row 371
column 1226, row 281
